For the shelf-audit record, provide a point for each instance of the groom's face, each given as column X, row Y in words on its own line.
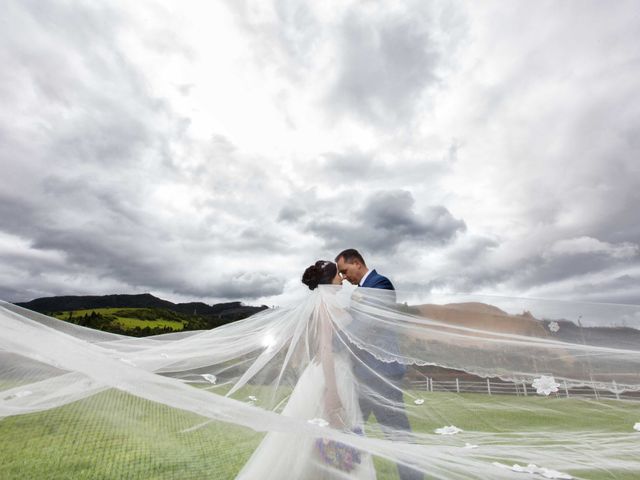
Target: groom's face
column 352, row 271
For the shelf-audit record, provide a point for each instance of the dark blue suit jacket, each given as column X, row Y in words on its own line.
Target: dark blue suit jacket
column 391, row 369
column 375, row 280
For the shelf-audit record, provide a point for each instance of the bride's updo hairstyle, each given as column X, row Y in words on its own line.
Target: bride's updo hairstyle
column 320, row 273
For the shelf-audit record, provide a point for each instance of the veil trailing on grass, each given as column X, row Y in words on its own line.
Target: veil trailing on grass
column 347, row 383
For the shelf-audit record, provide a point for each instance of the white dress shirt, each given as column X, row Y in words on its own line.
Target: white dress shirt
column 364, row 278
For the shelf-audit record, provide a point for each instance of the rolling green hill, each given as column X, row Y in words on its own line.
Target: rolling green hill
column 139, row 315
column 131, row 321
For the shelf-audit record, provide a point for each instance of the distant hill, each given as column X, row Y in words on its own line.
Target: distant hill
column 488, row 317
column 227, row 311
column 621, row 337
column 198, row 315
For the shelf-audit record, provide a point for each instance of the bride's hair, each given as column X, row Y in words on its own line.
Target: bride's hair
column 320, row 273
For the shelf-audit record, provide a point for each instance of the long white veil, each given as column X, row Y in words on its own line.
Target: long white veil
column 454, row 389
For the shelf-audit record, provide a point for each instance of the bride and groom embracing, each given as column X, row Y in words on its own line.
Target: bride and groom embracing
column 340, row 386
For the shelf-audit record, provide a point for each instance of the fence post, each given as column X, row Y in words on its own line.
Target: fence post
column 566, row 390
column 488, row 386
column 615, row 390
column 524, row 385
column 457, row 385
column 595, row 390
column 430, row 380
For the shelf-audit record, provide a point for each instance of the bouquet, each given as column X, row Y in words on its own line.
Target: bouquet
column 337, row 454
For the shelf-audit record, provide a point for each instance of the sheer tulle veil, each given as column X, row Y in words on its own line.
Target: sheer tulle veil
column 345, row 383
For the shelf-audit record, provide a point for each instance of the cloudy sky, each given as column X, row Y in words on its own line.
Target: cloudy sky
column 212, row 150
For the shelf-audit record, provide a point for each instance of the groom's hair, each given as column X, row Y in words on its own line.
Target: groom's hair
column 349, row 255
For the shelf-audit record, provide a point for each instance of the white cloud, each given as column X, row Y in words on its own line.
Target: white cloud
column 213, row 151
column 573, row 246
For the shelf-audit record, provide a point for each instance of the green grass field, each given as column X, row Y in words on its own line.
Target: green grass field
column 131, row 323
column 84, row 440
column 126, row 318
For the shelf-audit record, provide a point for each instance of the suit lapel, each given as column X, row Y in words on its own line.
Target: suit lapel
column 369, row 278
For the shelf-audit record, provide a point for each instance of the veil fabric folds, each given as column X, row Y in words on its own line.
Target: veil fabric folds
column 348, row 382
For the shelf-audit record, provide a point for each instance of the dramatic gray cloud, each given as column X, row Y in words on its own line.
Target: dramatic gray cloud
column 386, row 221
column 397, row 49
column 213, row 152
column 290, row 213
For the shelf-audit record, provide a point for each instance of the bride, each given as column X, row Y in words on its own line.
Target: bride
column 325, row 394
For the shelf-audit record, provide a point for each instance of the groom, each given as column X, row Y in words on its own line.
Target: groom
column 369, row 370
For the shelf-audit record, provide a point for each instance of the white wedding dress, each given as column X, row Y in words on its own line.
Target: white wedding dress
column 296, row 456
column 286, row 455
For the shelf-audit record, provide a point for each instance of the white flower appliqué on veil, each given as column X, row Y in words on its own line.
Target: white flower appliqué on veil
column 210, row 378
column 26, row 393
column 545, row 385
column 450, row 430
column 320, row 422
column 637, row 427
column 531, row 468
column 554, row 327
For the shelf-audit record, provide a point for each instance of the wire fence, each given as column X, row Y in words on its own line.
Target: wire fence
column 493, row 386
